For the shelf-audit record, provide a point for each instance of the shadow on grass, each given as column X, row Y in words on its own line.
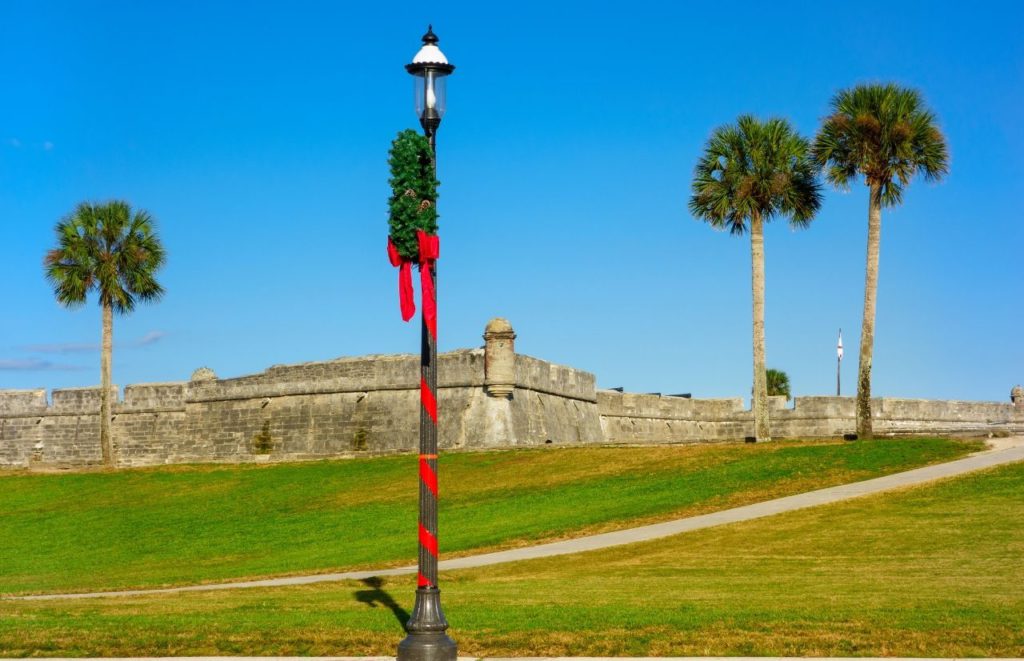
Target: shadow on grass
column 379, row 596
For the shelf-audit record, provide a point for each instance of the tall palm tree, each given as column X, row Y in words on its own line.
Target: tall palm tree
column 885, row 134
column 751, row 172
column 114, row 251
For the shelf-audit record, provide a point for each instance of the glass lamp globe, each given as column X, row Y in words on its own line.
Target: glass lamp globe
column 429, row 69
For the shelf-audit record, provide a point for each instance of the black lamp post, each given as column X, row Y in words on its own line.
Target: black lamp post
column 426, row 639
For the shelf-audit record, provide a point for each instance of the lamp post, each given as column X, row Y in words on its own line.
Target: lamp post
column 426, row 639
column 839, row 359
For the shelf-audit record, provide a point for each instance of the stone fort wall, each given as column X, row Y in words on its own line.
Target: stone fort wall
column 636, row 418
column 489, row 398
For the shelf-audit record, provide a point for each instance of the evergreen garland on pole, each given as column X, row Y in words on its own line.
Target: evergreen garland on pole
column 413, row 203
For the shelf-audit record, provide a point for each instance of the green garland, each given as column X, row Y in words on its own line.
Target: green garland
column 413, row 203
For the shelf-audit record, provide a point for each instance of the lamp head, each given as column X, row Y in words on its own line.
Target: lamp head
column 429, row 68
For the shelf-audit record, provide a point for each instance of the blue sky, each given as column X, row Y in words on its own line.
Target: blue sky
column 258, row 138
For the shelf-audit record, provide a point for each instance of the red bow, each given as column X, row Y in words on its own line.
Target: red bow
column 429, row 252
column 404, row 281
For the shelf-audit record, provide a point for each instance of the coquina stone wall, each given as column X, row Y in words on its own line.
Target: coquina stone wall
column 636, row 418
column 489, row 397
column 349, row 406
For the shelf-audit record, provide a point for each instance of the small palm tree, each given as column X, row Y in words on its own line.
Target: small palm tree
column 885, row 134
column 778, row 383
column 750, row 172
column 114, row 251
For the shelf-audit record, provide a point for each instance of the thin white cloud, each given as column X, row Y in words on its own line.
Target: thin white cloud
column 152, row 337
column 61, row 348
column 47, row 146
column 146, row 340
column 14, row 142
column 36, row 365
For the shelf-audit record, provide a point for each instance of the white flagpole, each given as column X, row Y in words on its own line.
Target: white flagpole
column 839, row 360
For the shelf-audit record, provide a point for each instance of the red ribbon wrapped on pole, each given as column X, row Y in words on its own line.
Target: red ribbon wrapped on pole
column 429, row 252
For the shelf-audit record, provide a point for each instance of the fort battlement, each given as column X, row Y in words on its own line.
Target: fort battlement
column 489, row 397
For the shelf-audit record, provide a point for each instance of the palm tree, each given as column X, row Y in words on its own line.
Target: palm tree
column 752, row 171
column 885, row 134
column 778, row 383
column 114, row 251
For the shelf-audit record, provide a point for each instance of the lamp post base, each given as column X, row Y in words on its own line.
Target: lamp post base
column 427, row 640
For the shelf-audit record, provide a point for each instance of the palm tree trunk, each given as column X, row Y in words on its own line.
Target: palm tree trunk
column 867, row 328
column 106, row 442
column 761, row 424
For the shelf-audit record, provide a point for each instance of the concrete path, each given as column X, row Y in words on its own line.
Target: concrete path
column 1008, row 450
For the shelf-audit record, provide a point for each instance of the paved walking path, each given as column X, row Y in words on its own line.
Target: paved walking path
column 1006, row 451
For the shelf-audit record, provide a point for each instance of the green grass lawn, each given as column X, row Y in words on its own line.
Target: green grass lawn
column 175, row 525
column 933, row 571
